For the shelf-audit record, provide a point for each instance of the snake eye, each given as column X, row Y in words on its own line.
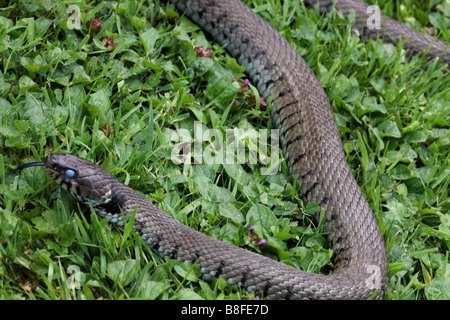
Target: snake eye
column 69, row 173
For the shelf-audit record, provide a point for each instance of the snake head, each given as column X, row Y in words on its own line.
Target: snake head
column 82, row 178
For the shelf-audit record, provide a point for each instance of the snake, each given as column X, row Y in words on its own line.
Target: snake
column 312, row 149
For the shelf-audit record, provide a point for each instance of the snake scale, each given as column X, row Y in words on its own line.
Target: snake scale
column 313, row 151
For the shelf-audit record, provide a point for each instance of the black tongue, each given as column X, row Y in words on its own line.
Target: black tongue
column 32, row 164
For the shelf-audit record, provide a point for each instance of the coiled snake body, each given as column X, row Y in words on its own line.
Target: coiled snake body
column 313, row 151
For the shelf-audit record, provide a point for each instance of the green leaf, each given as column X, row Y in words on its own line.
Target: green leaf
column 438, row 20
column 262, row 219
column 312, row 208
column 371, row 105
column 307, row 29
column 400, row 172
column 389, row 129
column 9, row 131
column 25, row 83
column 222, row 92
column 187, row 272
column 99, row 106
column 152, row 289
column 236, row 172
column 79, row 75
column 123, row 271
column 18, row 194
column 74, row 96
column 201, row 65
column 148, row 40
column 210, row 191
column 378, row 84
column 316, row 241
column 438, row 289
column 189, row 295
column 228, row 210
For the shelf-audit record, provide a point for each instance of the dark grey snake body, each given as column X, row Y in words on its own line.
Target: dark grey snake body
column 313, row 151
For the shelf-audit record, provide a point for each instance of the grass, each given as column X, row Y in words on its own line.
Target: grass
column 64, row 90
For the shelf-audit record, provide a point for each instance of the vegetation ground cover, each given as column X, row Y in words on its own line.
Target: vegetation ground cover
column 114, row 93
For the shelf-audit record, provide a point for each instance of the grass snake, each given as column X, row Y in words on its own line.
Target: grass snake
column 313, row 151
